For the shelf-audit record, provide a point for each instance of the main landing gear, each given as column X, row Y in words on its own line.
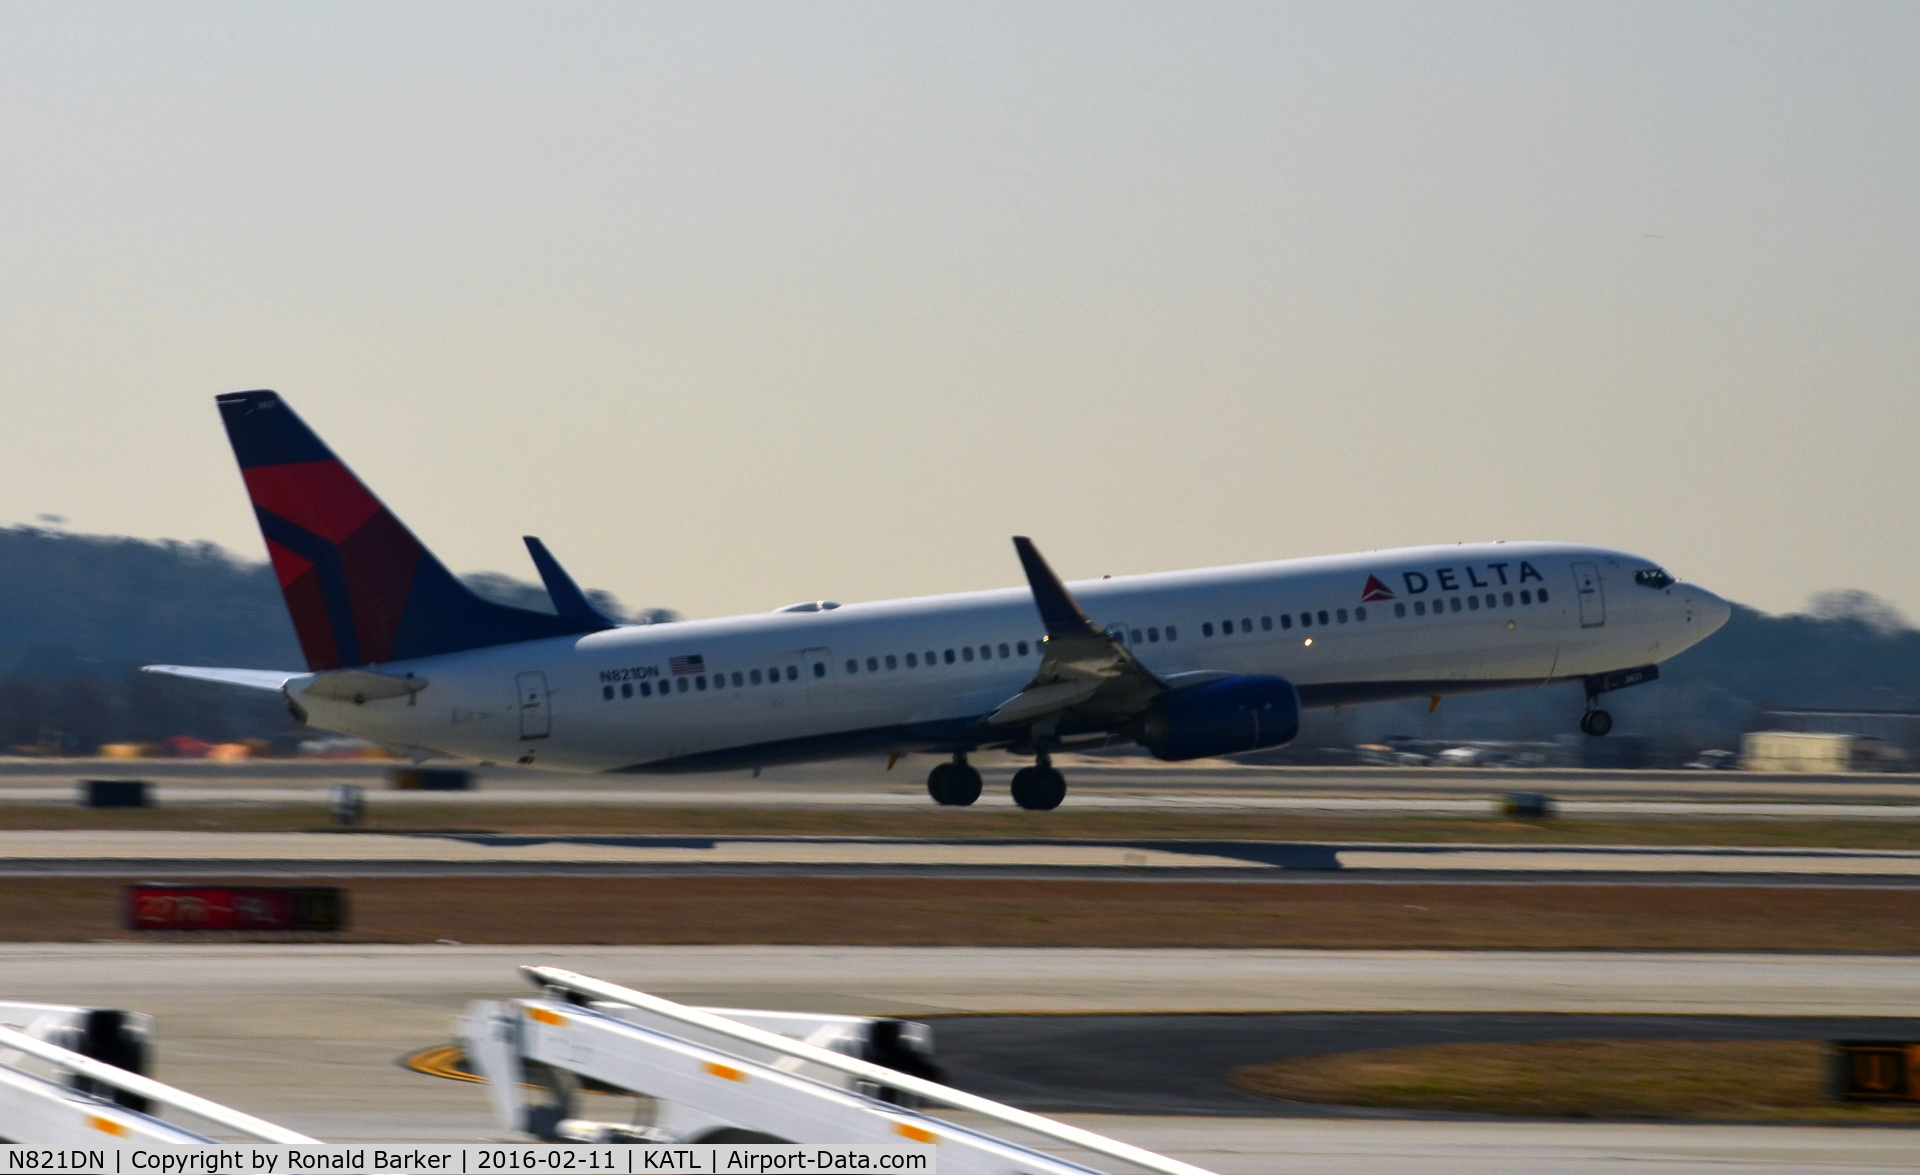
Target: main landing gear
column 1039, row 788
column 954, row 784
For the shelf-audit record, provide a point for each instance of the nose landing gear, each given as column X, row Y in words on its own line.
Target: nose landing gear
column 955, row 784
column 1595, row 721
column 1039, row 788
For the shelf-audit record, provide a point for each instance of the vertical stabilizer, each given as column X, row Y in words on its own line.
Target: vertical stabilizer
column 361, row 589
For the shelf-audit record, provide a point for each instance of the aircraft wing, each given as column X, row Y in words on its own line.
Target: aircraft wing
column 267, row 679
column 1082, row 669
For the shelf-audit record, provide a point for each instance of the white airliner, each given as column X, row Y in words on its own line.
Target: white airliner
column 1188, row 664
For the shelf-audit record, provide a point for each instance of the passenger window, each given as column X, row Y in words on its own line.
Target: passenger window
column 1173, row 634
column 737, row 681
column 966, row 654
column 853, row 666
column 1322, row 618
column 1286, row 620
column 1507, row 597
column 1306, row 620
column 949, row 656
column 1004, row 654
column 873, row 664
column 913, row 662
column 1341, row 615
column 1153, row 636
column 1226, row 628
column 793, row 673
column 1473, row 602
column 606, row 691
column 1543, row 595
column 754, row 677
column 683, row 687
column 1266, row 624
column 1526, row 597
column 891, row 663
column 1022, row 646
column 1419, row 607
column 1207, row 629
column 626, row 689
column 1359, row 613
column 646, row 690
column 986, row 652
column 700, row 682
column 819, row 668
column 931, row 658
column 1455, row 604
column 1400, row 610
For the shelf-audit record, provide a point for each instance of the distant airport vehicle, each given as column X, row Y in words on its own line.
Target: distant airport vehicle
column 1713, row 761
column 1189, row 664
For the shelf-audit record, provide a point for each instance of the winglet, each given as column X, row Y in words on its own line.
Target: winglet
column 568, row 600
column 1058, row 611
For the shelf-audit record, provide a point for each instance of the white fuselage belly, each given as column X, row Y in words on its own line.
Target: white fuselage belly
column 548, row 700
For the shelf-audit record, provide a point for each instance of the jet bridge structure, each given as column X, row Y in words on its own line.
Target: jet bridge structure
column 699, row 1075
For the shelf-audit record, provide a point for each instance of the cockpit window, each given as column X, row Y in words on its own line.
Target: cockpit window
column 1653, row 578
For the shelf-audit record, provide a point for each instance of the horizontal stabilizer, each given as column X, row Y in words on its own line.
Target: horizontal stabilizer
column 267, row 679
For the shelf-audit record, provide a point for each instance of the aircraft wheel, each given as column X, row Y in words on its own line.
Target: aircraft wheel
column 1596, row 722
column 939, row 782
column 963, row 785
column 1039, row 789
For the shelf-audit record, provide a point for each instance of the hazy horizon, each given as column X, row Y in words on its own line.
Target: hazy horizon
column 741, row 305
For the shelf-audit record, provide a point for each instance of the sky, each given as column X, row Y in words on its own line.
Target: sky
column 738, row 305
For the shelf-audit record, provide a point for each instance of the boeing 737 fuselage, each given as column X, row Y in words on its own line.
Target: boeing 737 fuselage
column 1188, row 664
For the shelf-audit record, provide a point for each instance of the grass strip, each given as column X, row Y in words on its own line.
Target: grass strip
column 894, row 911
column 1661, row 1079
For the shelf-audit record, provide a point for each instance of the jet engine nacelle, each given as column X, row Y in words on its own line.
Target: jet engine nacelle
column 1243, row 713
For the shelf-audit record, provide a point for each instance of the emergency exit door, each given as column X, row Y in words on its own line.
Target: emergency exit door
column 1593, row 604
column 536, row 713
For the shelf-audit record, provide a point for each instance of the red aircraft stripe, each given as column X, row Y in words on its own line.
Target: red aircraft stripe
column 318, row 496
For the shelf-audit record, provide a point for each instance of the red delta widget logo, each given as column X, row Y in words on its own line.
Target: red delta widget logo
column 1449, row 579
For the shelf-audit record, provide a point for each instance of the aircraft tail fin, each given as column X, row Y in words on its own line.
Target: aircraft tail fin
column 361, row 589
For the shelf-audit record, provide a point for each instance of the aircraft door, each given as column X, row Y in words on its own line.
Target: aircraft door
column 816, row 665
column 536, row 714
column 1593, row 603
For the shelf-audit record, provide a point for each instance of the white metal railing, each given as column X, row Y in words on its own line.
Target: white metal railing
column 931, row 1091
column 148, row 1088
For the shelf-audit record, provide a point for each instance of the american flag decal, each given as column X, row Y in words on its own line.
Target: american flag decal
column 682, row 666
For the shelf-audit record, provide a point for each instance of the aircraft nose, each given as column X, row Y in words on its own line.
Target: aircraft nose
column 1709, row 611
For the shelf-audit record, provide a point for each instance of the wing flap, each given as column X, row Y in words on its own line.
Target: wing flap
column 1081, row 667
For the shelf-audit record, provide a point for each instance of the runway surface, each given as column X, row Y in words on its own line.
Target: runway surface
column 116, row 853
column 308, row 1035
column 1102, row 784
column 1158, row 1063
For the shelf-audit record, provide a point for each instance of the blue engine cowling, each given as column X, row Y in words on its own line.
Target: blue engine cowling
column 1243, row 713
